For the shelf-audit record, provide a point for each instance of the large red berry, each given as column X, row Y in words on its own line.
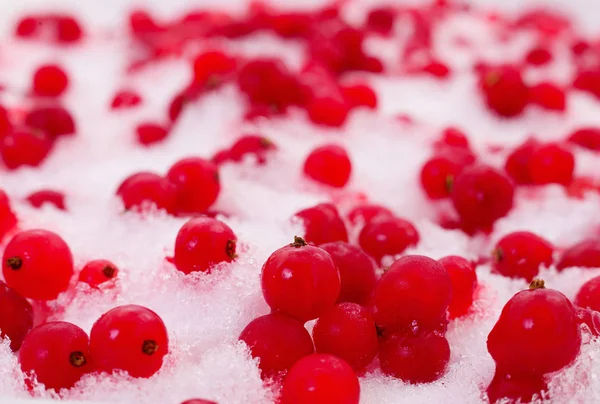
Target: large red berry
column 588, row 138
column 481, row 195
column 517, row 162
column 329, row 165
column 57, row 353
column 25, row 148
column 437, row 176
column 589, row 294
column 54, row 120
column 347, row 331
column 143, row 189
column 38, row 264
column 464, row 281
column 277, row 341
column 8, row 220
column 585, row 254
column 364, row 213
column 357, row 271
column 387, row 235
column 420, row 358
column 521, row 254
column 50, row 81
column 504, row 90
column 197, row 182
column 202, row 243
column 130, row 338
column 552, row 163
column 537, row 332
column 322, row 224
column 320, row 379
column 414, row 292
column 515, row 387
column 300, row 280
column 16, row 316
column 257, row 146
column 98, row 271
column 47, row 196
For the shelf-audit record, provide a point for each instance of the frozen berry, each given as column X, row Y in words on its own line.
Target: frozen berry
column 49, row 81
column 515, row 387
column 16, row 316
column 47, row 196
column 588, row 138
column 98, row 271
column 548, row 96
column 202, row 243
column 320, row 379
column 504, row 90
column 387, row 235
column 38, row 264
column 552, row 163
column 521, row 254
column 125, row 99
column 25, row 148
column 57, row 353
column 420, row 358
column 150, row 133
column 360, row 95
column 589, row 319
column 8, row 220
column 143, row 189
column 357, row 271
column 197, row 182
column 517, row 162
column 54, row 120
column 364, row 213
column 300, row 280
column 322, row 224
column 130, row 338
column 585, row 254
column 277, row 341
column 325, row 103
column 347, row 331
column 464, row 281
column 437, row 176
column 329, row 165
column 212, row 68
column 257, row 146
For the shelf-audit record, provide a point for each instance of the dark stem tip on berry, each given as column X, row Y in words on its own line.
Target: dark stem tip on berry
column 149, row 347
column 498, row 255
column 379, row 330
column 266, row 143
column 14, row 263
column 77, row 359
column 298, row 242
column 109, row 271
column 537, row 284
column 449, row 183
column 230, row 249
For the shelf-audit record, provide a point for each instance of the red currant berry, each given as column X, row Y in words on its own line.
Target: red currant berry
column 328, row 111
column 366, row 212
column 357, row 271
column 98, row 271
column 387, row 235
column 54, row 120
column 452, row 137
column 50, row 81
column 38, row 264
column 323, row 224
column 521, row 254
column 481, row 195
column 464, row 281
column 515, row 387
column 141, row 23
column 268, row 82
column 202, row 243
column 300, row 280
column 142, row 189
column 278, row 341
column 325, row 104
column 47, row 196
column 28, row 26
column 124, row 99
column 320, row 379
column 437, row 176
column 381, row 20
column 257, row 146
column 517, row 162
column 552, row 163
column 8, row 220
column 360, row 95
column 585, row 254
column 25, row 148
column 329, row 165
column 212, row 68
column 199, row 401
column 504, row 90
column 589, row 294
column 537, row 332
column 16, row 316
column 548, row 96
column 347, row 331
column 588, row 138
column 57, row 353
column 197, row 182
column 150, row 133
column 436, row 69
column 68, row 30
column 130, row 338
column 538, row 56
column 414, row 359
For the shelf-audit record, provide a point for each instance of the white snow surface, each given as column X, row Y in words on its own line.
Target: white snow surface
column 205, row 313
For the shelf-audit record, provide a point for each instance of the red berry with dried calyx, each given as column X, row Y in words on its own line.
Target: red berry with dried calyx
column 254, row 145
column 16, row 316
column 387, row 236
column 329, row 165
column 213, row 68
column 97, row 272
column 521, row 255
column 322, row 224
column 144, row 189
column 464, row 282
column 437, row 176
column 197, row 183
column 585, row 254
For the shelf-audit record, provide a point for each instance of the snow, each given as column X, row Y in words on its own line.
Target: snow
column 205, row 313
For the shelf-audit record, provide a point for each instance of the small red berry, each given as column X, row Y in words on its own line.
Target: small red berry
column 130, row 338
column 68, row 29
column 38, row 264
column 588, row 138
column 585, row 254
column 257, row 146
column 278, row 341
column 504, row 90
column 322, row 224
column 142, row 189
column 8, row 220
column 329, row 165
column 548, row 96
column 552, row 163
column 381, row 20
column 57, row 353
column 521, row 254
column 212, row 68
column 25, row 148
column 141, row 23
column 437, row 69
column 150, row 133
column 387, row 235
column 47, row 196
column 325, row 102
column 197, row 182
column 98, row 271
column 517, row 162
column 50, row 81
column 538, row 56
column 28, row 26
column 54, row 120
column 202, row 243
column 328, row 111
column 515, row 387
column 300, row 280
column 16, row 316
column 125, row 99
column 320, row 379
column 464, row 281
column 414, row 359
column 452, row 137
column 437, row 176
column 366, row 212
column 360, row 95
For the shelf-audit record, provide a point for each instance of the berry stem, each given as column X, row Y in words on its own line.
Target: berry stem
column 77, row 359
column 537, row 284
column 14, row 263
column 298, row 242
column 108, row 271
column 149, row 347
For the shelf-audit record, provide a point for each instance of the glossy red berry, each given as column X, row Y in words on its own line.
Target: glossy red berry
column 347, row 331
column 521, row 255
column 47, row 196
column 517, row 162
column 329, row 165
column 515, row 387
column 98, row 271
column 202, row 243
column 300, row 280
column 504, row 90
column 360, row 95
column 537, row 332
column 364, row 213
column 437, row 176
column 251, row 145
column 212, row 68
column 552, row 163
column 322, row 224
column 150, row 133
column 25, row 148
column 357, row 271
column 585, row 254
column 130, row 338
column 464, row 281
column 197, row 182
column 16, row 316
column 481, row 195
column 548, row 96
column 49, row 81
column 387, row 235
column 37, row 264
column 420, row 358
column 125, row 99
column 54, row 120
column 277, row 341
column 57, row 353
column 8, row 220
column 144, row 189
column 320, row 379
column 588, row 138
